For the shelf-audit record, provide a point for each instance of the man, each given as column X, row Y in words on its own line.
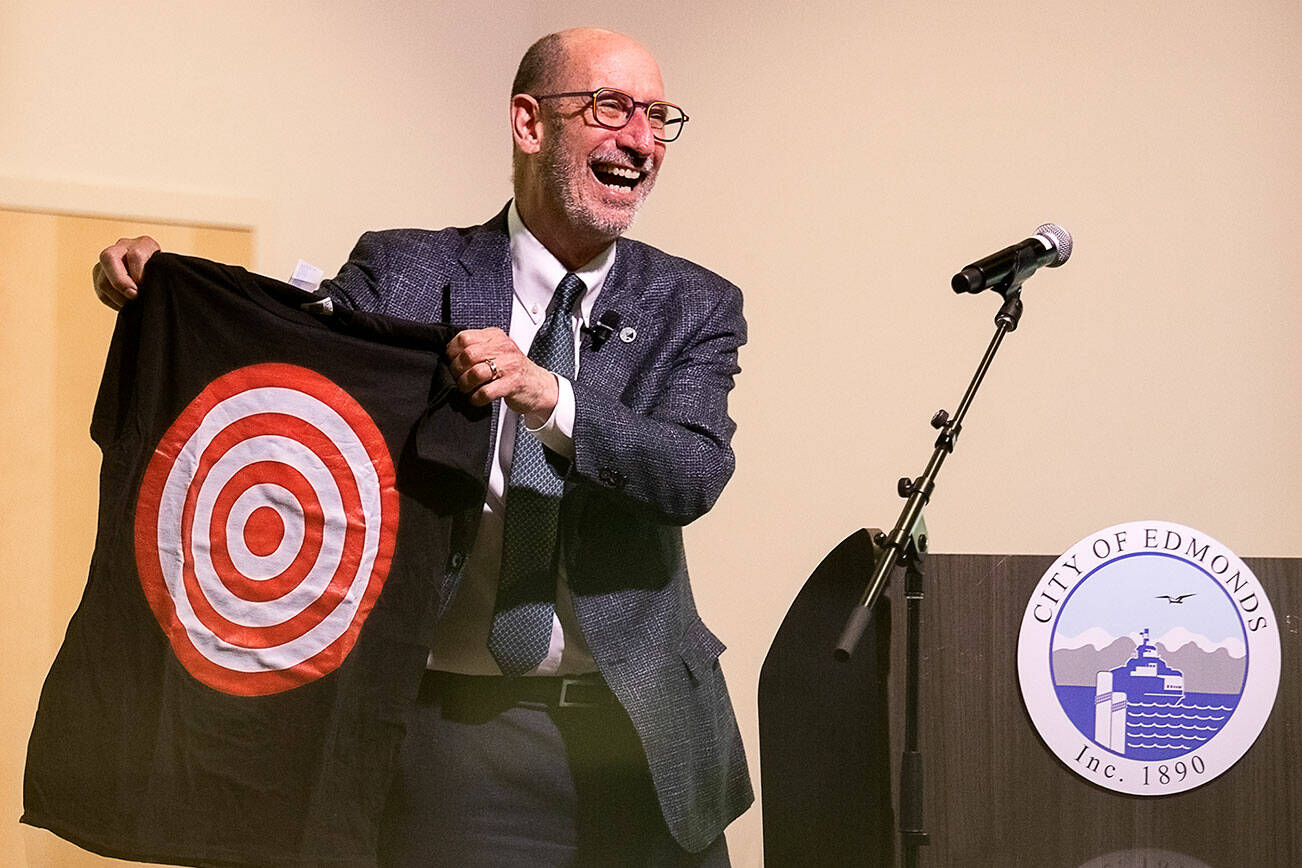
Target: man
column 582, row 717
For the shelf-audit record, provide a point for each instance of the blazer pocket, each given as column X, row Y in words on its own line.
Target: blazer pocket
column 700, row 650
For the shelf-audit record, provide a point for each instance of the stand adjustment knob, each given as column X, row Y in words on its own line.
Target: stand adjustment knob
column 940, row 420
column 905, row 486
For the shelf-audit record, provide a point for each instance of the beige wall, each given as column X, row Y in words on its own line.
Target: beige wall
column 842, row 162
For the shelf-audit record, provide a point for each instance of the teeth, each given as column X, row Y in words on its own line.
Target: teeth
column 621, row 172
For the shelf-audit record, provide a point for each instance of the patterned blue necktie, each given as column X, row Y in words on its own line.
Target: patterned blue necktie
column 526, row 587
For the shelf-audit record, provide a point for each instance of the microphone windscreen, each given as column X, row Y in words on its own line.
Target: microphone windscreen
column 1057, row 238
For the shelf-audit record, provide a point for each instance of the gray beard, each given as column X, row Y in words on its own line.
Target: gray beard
column 566, row 178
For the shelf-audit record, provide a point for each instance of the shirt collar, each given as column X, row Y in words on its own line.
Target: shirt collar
column 535, row 272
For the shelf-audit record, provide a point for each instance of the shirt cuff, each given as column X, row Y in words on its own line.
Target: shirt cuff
column 557, row 433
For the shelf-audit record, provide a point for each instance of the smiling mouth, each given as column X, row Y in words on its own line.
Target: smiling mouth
column 616, row 177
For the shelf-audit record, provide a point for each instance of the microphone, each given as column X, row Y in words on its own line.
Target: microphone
column 1050, row 245
column 603, row 328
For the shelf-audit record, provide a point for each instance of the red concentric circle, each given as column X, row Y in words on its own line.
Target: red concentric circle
column 265, row 528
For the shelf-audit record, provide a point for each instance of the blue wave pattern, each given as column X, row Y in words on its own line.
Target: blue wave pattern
column 1155, row 730
column 1164, row 730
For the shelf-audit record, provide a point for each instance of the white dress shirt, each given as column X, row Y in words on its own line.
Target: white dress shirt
column 461, row 638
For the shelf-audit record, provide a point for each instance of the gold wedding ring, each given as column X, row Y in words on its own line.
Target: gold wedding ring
column 492, row 366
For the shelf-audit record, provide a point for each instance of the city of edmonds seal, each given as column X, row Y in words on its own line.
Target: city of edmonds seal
column 1149, row 658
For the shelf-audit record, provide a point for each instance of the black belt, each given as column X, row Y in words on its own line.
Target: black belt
column 503, row 691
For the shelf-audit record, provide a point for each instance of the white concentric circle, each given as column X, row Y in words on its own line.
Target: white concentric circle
column 278, row 453
column 281, row 502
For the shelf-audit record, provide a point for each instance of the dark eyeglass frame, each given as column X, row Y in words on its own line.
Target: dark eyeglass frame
column 664, row 135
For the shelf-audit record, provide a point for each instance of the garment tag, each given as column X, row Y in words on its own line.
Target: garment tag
column 307, row 277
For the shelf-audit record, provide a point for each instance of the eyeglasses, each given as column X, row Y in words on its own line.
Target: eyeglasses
column 613, row 109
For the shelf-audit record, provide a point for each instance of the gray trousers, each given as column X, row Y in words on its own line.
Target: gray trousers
column 486, row 780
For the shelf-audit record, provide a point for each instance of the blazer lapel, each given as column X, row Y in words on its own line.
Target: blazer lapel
column 479, row 295
column 612, row 364
column 481, row 292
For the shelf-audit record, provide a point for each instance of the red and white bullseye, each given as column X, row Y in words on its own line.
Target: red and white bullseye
column 264, row 530
column 265, row 527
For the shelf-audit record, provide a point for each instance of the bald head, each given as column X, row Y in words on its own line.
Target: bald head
column 544, row 66
column 539, row 65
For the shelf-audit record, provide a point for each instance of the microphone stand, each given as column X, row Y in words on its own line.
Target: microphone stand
column 906, row 545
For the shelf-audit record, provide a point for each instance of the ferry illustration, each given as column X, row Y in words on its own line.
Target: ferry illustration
column 1145, row 675
column 1140, row 708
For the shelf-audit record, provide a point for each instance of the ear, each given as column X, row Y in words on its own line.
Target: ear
column 526, row 123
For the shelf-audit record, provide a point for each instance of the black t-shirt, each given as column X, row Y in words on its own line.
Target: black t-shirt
column 276, row 498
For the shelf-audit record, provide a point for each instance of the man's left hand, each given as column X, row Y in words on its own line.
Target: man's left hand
column 488, row 365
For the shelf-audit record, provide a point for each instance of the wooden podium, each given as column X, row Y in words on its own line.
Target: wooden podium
column 994, row 795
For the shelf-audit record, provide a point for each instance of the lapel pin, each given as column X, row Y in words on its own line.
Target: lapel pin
column 628, row 334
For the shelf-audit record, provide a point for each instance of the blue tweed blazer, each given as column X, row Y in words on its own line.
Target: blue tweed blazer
column 652, row 452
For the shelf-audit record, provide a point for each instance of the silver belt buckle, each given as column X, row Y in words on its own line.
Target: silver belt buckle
column 565, row 701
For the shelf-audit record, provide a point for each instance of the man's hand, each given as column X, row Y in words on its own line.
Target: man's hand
column 489, row 365
column 120, row 268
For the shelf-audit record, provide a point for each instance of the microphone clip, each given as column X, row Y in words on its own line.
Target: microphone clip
column 600, row 331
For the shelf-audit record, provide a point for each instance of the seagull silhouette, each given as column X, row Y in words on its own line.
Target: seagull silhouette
column 1173, row 600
